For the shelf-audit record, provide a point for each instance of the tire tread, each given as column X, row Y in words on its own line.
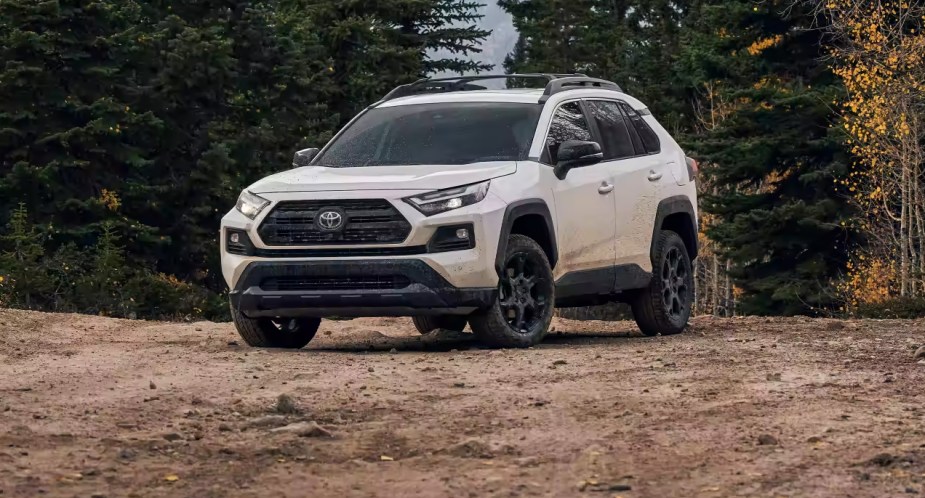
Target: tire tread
column 491, row 328
column 647, row 304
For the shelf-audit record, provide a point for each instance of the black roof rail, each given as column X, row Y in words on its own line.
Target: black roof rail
column 569, row 83
column 462, row 83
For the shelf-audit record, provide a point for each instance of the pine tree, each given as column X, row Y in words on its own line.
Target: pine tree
column 373, row 48
column 150, row 117
column 773, row 156
column 68, row 130
column 634, row 43
column 22, row 273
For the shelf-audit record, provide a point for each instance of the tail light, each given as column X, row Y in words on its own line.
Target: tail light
column 693, row 168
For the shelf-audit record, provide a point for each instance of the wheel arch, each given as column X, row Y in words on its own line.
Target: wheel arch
column 676, row 214
column 529, row 217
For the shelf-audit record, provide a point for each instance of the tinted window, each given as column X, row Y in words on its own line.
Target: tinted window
column 568, row 123
column 614, row 134
column 446, row 133
column 649, row 138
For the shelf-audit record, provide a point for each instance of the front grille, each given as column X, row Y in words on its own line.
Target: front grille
column 367, row 221
column 302, row 283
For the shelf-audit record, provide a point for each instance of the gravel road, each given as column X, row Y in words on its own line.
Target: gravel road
column 93, row 406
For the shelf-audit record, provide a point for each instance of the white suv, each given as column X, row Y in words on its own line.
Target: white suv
column 456, row 204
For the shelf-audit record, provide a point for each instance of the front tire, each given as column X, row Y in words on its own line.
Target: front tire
column 523, row 309
column 285, row 333
column 664, row 307
column 427, row 324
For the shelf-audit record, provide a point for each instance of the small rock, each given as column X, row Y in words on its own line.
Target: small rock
column 393, row 351
column 912, row 491
column 459, row 384
column 285, row 404
column 919, row 354
column 127, row 454
column 172, row 436
column 882, row 460
column 560, row 362
column 232, row 343
column 305, row 429
column 151, row 385
column 834, row 326
column 267, row 421
column 470, row 448
column 767, row 440
column 370, row 369
column 98, row 495
column 527, row 461
column 814, row 439
column 224, row 428
column 773, row 377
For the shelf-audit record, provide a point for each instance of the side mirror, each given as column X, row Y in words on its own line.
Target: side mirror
column 304, row 157
column 576, row 154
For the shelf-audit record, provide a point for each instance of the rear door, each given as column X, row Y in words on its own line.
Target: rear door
column 655, row 181
column 630, row 166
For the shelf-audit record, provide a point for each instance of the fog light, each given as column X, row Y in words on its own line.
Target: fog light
column 235, row 238
column 462, row 233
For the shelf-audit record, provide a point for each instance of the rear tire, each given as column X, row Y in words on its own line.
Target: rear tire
column 523, row 309
column 285, row 333
column 427, row 324
column 664, row 307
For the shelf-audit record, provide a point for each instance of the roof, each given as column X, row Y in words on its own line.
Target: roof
column 525, row 96
column 515, row 96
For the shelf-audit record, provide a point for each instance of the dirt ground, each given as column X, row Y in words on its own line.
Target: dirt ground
column 95, row 407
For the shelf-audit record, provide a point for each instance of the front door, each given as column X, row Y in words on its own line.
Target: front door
column 585, row 205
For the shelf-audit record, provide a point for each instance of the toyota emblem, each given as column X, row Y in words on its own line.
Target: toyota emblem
column 330, row 220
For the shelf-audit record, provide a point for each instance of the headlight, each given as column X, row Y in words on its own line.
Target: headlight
column 251, row 205
column 442, row 201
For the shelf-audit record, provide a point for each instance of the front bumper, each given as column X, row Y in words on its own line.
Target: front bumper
column 421, row 291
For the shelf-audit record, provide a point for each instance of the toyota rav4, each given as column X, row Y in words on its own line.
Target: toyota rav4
column 455, row 204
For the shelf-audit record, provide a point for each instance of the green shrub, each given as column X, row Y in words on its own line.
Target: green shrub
column 900, row 307
column 96, row 279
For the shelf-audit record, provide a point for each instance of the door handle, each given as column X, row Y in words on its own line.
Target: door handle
column 605, row 188
column 654, row 177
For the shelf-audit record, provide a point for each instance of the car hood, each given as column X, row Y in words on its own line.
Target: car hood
column 429, row 177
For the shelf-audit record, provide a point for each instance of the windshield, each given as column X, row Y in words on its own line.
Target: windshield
column 444, row 133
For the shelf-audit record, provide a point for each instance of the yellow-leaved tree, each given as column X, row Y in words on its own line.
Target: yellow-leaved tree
column 878, row 51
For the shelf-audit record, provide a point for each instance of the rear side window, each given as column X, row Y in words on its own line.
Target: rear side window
column 568, row 123
column 613, row 128
column 649, row 139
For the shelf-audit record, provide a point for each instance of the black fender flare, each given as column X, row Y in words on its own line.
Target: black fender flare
column 516, row 210
column 668, row 207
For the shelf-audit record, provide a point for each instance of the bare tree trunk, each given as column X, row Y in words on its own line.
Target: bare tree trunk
column 715, row 285
column 729, row 300
column 920, row 232
column 903, row 234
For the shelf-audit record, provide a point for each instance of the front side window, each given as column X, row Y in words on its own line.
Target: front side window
column 568, row 123
column 435, row 134
column 615, row 136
